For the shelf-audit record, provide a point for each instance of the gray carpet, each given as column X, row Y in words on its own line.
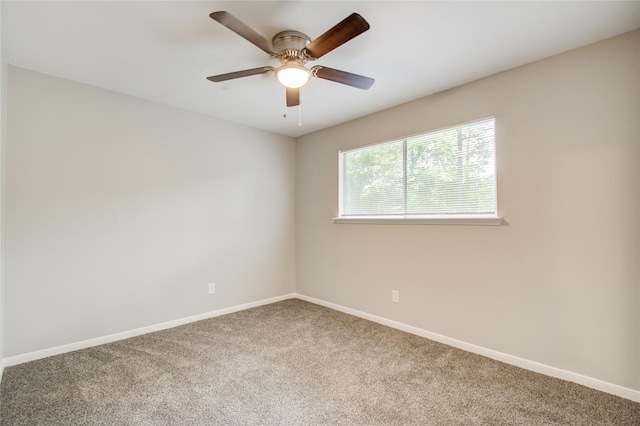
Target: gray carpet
column 292, row 363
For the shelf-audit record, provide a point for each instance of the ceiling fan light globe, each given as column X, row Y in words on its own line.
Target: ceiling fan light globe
column 292, row 75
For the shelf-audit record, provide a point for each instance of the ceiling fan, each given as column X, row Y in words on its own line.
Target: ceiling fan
column 294, row 49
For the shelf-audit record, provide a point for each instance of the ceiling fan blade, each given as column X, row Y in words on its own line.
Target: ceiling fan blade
column 239, row 74
column 341, row 33
column 293, row 96
column 354, row 80
column 242, row 29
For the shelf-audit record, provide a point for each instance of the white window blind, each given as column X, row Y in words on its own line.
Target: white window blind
column 446, row 172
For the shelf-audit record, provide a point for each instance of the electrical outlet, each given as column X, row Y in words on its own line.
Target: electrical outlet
column 212, row 288
column 395, row 296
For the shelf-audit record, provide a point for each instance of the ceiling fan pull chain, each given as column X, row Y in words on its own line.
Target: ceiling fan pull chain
column 300, row 114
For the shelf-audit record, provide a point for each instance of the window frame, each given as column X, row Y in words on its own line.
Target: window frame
column 408, row 219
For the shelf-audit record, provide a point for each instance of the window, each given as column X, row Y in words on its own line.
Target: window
column 446, row 176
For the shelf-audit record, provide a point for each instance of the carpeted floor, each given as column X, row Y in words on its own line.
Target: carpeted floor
column 292, row 363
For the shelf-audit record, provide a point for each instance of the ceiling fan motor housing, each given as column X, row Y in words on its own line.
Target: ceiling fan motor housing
column 289, row 45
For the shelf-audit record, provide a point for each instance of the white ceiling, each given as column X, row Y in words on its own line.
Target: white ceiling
column 164, row 50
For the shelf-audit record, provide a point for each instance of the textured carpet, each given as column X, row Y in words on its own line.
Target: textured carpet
column 292, row 363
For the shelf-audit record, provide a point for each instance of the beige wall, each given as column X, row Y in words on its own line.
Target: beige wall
column 3, row 137
column 120, row 211
column 560, row 283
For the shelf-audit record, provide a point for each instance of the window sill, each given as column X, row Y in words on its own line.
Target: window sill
column 421, row 220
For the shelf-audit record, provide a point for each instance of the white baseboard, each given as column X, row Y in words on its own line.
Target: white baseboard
column 537, row 367
column 31, row 356
column 591, row 382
